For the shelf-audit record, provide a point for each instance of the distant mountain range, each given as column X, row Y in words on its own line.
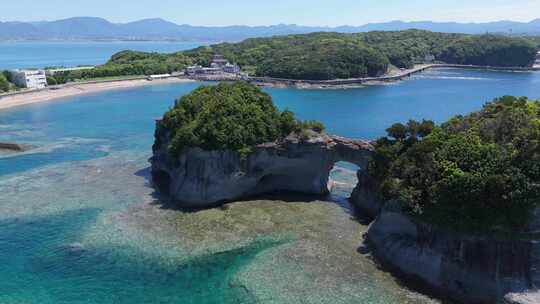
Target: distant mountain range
column 86, row 28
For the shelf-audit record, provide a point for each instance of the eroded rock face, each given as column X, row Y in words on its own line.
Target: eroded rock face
column 299, row 163
column 365, row 197
column 465, row 268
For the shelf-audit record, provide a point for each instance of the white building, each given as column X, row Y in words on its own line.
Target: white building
column 231, row 68
column 218, row 61
column 537, row 62
column 158, row 76
column 218, row 65
column 194, row 69
column 31, row 79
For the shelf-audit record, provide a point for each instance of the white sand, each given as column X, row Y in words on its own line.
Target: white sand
column 32, row 97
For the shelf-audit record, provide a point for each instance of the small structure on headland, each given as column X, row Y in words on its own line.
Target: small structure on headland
column 537, row 60
column 219, row 65
column 30, row 79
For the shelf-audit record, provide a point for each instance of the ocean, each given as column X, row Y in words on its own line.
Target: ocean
column 41, row 54
column 80, row 222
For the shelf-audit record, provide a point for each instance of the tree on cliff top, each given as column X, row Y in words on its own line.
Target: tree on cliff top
column 479, row 172
column 234, row 116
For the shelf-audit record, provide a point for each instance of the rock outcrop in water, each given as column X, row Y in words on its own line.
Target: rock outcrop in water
column 469, row 269
column 299, row 163
column 465, row 268
column 15, row 147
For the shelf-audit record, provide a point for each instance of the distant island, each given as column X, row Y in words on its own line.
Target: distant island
column 322, row 56
column 320, row 59
column 92, row 28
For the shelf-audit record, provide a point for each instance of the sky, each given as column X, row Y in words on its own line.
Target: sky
column 257, row 12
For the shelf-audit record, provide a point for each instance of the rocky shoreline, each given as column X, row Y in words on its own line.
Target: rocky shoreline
column 200, row 179
column 466, row 268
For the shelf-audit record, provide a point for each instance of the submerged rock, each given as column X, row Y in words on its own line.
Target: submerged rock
column 15, row 147
column 298, row 163
column 74, row 248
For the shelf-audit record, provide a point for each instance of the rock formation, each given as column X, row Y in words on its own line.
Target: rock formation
column 465, row 268
column 298, row 163
column 470, row 269
column 15, row 147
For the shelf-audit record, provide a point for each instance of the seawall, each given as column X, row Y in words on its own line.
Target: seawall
column 391, row 78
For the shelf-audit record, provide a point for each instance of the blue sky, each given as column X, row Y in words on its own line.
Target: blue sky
column 253, row 12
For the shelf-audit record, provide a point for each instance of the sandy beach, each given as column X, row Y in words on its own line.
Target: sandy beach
column 32, row 97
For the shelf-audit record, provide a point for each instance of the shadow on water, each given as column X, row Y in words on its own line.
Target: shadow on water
column 41, row 261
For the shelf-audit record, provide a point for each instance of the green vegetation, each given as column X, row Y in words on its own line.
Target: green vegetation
column 321, row 56
column 313, row 56
column 234, row 116
column 535, row 40
column 128, row 63
column 4, row 83
column 490, row 50
column 479, row 172
column 335, row 55
column 62, row 77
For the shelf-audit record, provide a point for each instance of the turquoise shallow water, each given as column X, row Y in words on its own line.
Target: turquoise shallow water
column 63, row 237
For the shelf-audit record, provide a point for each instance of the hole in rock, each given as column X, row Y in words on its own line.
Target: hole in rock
column 343, row 179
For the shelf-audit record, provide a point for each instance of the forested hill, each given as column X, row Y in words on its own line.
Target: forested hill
column 335, row 55
column 321, row 56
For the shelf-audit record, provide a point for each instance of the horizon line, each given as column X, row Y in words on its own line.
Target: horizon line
column 275, row 24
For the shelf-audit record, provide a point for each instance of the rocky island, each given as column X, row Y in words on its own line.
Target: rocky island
column 454, row 207
column 201, row 160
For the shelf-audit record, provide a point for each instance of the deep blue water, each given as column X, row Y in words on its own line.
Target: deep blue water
column 91, row 151
column 40, row 54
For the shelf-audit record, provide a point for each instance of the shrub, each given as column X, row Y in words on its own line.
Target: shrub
column 234, row 116
column 4, row 83
column 477, row 172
